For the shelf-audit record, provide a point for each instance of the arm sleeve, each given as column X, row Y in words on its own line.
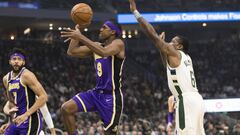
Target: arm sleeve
column 47, row 116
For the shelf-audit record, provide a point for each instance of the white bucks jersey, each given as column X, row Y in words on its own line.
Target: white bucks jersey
column 182, row 79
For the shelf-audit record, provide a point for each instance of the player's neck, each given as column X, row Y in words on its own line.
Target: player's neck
column 15, row 73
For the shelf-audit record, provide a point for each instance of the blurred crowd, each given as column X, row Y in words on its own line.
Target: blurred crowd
column 216, row 60
column 120, row 6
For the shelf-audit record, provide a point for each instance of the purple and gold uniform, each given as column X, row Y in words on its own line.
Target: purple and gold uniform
column 23, row 98
column 106, row 98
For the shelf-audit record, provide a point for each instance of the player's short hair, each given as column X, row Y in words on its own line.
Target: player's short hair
column 184, row 41
column 19, row 51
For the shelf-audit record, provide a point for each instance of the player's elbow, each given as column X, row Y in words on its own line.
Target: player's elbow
column 44, row 98
column 70, row 53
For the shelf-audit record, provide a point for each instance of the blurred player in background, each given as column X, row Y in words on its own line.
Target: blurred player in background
column 44, row 111
column 181, row 79
column 106, row 98
column 171, row 110
column 22, row 87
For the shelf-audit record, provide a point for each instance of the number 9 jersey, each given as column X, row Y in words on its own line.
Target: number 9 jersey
column 108, row 72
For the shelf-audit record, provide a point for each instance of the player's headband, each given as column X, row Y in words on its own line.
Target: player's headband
column 17, row 54
column 113, row 27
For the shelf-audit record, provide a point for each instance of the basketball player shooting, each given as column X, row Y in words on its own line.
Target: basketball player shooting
column 181, row 79
column 106, row 98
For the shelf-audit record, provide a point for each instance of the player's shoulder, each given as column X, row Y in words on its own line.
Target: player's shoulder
column 5, row 77
column 118, row 41
column 27, row 73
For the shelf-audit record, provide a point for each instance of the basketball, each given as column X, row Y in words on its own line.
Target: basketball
column 81, row 14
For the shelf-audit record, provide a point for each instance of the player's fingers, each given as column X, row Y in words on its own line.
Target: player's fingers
column 19, row 122
column 68, row 29
column 13, row 110
column 66, row 40
column 162, row 35
column 14, row 120
column 66, row 35
column 65, row 32
column 77, row 27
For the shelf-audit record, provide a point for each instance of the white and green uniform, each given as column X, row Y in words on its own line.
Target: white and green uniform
column 190, row 106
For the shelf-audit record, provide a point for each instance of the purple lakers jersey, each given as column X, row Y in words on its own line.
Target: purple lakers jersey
column 22, row 96
column 108, row 72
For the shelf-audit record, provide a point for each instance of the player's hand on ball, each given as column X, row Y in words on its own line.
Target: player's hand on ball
column 20, row 119
column 77, row 28
column 4, row 127
column 70, row 33
column 132, row 5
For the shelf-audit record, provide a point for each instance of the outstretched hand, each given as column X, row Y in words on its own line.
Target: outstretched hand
column 70, row 33
column 162, row 36
column 132, row 5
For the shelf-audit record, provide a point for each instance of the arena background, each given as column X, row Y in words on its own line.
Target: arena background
column 34, row 25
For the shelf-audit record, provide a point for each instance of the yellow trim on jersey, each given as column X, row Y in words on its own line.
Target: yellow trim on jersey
column 96, row 56
column 29, row 125
column 114, row 98
column 120, row 88
column 84, row 107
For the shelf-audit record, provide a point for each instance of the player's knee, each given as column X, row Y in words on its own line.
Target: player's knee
column 65, row 109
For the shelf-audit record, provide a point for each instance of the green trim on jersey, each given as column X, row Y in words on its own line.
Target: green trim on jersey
column 181, row 112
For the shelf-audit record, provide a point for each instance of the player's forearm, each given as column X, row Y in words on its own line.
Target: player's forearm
column 150, row 32
column 42, row 99
column 6, row 108
column 72, row 46
column 95, row 47
column 146, row 27
column 163, row 58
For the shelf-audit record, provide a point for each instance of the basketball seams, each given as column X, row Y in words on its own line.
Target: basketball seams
column 82, row 14
column 76, row 18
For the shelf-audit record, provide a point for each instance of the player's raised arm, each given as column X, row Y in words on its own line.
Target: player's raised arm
column 168, row 51
column 75, row 49
column 116, row 46
column 146, row 26
column 149, row 30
